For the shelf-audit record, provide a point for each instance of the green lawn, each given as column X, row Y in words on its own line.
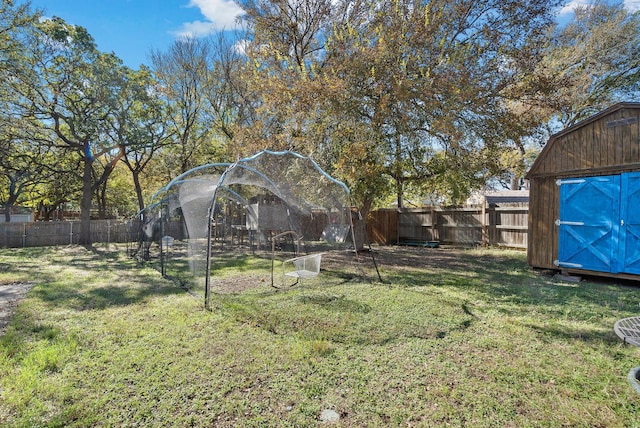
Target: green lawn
column 475, row 339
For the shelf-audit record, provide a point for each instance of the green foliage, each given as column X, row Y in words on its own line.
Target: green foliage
column 140, row 129
column 20, row 165
column 454, row 177
column 596, row 59
column 20, row 169
column 15, row 21
column 70, row 88
column 379, row 89
column 119, row 196
column 184, row 73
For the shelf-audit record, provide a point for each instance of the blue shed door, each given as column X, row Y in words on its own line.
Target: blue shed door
column 588, row 223
column 629, row 250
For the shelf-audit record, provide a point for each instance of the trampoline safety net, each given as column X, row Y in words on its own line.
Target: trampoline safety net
column 260, row 211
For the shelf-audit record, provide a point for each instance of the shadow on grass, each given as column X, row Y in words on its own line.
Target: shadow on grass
column 335, row 276
column 27, row 328
column 100, row 297
column 350, row 318
column 503, row 281
column 97, row 280
column 508, row 280
column 338, row 303
column 566, row 333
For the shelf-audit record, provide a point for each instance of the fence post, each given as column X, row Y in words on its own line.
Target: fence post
column 398, row 217
column 485, row 232
column 71, row 233
column 435, row 236
column 24, row 235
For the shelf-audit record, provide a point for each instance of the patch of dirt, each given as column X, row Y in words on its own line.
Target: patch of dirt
column 240, row 283
column 423, row 257
column 10, row 296
column 387, row 257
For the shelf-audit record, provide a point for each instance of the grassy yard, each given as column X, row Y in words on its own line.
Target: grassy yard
column 451, row 338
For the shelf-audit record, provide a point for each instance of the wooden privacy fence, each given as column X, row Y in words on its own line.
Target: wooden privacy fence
column 49, row 233
column 503, row 225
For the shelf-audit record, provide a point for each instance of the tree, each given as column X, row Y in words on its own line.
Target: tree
column 382, row 88
column 14, row 19
column 72, row 90
column 22, row 165
column 62, row 189
column 596, row 60
column 114, row 196
column 20, row 169
column 285, row 50
column 227, row 95
column 140, row 126
column 183, row 73
column 587, row 64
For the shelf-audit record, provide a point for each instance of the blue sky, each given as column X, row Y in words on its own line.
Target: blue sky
column 132, row 28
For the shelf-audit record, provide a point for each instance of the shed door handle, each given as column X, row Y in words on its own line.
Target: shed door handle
column 559, row 222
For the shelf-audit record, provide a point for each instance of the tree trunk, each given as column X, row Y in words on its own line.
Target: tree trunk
column 102, row 200
column 515, row 182
column 399, row 191
column 99, row 184
column 397, row 172
column 85, row 203
column 13, row 198
column 138, row 187
column 360, row 225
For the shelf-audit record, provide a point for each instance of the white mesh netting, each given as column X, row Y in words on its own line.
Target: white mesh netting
column 248, row 216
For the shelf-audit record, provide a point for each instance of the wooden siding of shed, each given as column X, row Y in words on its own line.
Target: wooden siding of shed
column 542, row 247
column 593, row 149
column 596, row 146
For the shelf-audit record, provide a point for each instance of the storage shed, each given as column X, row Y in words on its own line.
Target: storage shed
column 584, row 202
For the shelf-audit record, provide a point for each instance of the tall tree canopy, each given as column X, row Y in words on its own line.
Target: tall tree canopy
column 184, row 74
column 18, row 156
column 72, row 89
column 588, row 63
column 596, row 58
column 139, row 127
column 380, row 88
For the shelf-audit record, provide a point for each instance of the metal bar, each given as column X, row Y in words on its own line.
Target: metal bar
column 560, row 182
column 567, row 264
column 569, row 223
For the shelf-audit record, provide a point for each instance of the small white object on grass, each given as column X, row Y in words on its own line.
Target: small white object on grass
column 329, row 415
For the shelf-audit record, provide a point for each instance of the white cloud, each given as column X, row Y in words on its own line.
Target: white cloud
column 241, row 46
column 218, row 14
column 569, row 7
column 631, row 5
